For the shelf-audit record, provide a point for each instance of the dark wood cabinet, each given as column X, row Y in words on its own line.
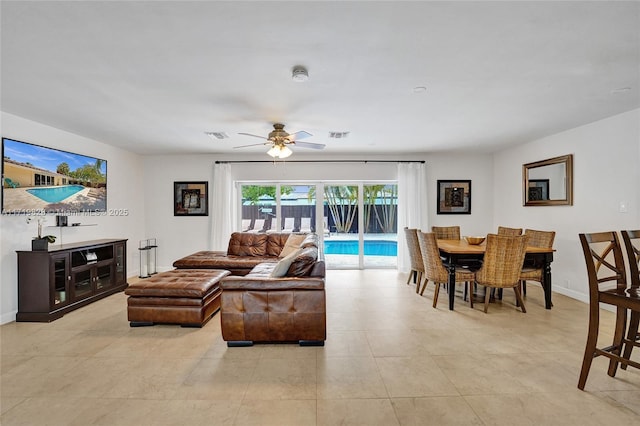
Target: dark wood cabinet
column 52, row 283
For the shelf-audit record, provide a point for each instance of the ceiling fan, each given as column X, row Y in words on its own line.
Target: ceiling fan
column 278, row 139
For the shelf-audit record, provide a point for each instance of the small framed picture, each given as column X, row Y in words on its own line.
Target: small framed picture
column 190, row 199
column 538, row 190
column 454, row 197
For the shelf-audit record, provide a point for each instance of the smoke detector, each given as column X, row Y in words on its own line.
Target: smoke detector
column 299, row 74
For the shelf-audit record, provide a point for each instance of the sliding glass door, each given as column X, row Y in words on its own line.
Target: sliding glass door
column 363, row 224
column 343, row 248
column 258, row 208
column 380, row 227
column 355, row 221
column 297, row 208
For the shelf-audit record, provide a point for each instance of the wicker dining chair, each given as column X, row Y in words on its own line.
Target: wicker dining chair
column 435, row 271
column 446, row 232
column 632, row 245
column 607, row 284
column 501, row 266
column 415, row 257
column 533, row 272
column 503, row 230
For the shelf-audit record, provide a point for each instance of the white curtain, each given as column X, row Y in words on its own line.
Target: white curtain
column 223, row 208
column 412, row 206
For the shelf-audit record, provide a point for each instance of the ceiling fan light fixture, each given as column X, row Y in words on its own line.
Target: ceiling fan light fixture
column 285, row 152
column 279, row 151
column 274, row 151
column 278, row 140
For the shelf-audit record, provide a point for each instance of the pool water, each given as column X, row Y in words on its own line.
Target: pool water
column 55, row 194
column 371, row 247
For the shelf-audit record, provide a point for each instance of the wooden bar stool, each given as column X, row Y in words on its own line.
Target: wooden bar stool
column 632, row 245
column 607, row 284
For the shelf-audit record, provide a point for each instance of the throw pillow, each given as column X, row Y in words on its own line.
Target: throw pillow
column 283, row 265
column 302, row 264
column 292, row 244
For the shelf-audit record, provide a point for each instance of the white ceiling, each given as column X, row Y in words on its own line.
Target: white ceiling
column 152, row 77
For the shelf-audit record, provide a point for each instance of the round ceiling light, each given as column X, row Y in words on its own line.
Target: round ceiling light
column 299, row 74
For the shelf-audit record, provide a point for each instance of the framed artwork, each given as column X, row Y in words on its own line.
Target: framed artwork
column 454, row 197
column 190, row 199
column 538, row 189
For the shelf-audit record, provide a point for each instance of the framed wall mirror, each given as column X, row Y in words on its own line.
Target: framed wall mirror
column 548, row 182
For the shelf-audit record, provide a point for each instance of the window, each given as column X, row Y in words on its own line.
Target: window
column 356, row 221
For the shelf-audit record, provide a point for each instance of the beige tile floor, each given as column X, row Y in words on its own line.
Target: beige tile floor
column 390, row 359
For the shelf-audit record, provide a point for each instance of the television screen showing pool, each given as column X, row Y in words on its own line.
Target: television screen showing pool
column 36, row 178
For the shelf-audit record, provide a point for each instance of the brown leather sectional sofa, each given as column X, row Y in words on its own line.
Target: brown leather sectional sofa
column 245, row 251
column 257, row 307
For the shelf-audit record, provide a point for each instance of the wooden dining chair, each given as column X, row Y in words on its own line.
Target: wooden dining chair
column 446, row 232
column 632, row 245
column 434, row 269
column 501, row 266
column 503, row 230
column 532, row 271
column 415, row 256
column 607, row 284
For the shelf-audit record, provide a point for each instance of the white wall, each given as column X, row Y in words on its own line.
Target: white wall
column 475, row 167
column 124, row 191
column 180, row 236
column 606, row 172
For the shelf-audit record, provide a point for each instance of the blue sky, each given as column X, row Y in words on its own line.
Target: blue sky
column 46, row 158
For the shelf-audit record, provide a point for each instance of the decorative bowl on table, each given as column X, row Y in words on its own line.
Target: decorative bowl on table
column 475, row 240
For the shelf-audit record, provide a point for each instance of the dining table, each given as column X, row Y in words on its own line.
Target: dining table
column 459, row 253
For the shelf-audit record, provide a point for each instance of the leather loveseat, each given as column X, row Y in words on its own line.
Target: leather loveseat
column 245, row 251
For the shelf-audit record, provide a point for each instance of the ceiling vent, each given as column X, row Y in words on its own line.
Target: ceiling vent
column 338, row 135
column 217, row 135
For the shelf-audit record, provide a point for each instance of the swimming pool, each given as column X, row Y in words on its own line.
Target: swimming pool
column 371, row 247
column 56, row 194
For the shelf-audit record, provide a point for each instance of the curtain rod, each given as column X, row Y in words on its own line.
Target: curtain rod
column 323, row 161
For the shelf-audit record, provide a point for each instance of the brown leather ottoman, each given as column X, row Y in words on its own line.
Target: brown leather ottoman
column 188, row 297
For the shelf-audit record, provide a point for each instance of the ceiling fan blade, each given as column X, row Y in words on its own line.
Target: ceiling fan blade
column 253, row 144
column 299, row 135
column 255, row 136
column 310, row 145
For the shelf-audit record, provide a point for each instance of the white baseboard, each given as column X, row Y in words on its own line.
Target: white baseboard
column 581, row 297
column 8, row 317
column 572, row 294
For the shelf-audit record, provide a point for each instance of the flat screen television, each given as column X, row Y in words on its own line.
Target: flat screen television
column 40, row 179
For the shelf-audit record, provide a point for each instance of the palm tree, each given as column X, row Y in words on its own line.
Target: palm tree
column 98, row 166
column 388, row 209
column 63, row 169
column 343, row 203
column 369, row 197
